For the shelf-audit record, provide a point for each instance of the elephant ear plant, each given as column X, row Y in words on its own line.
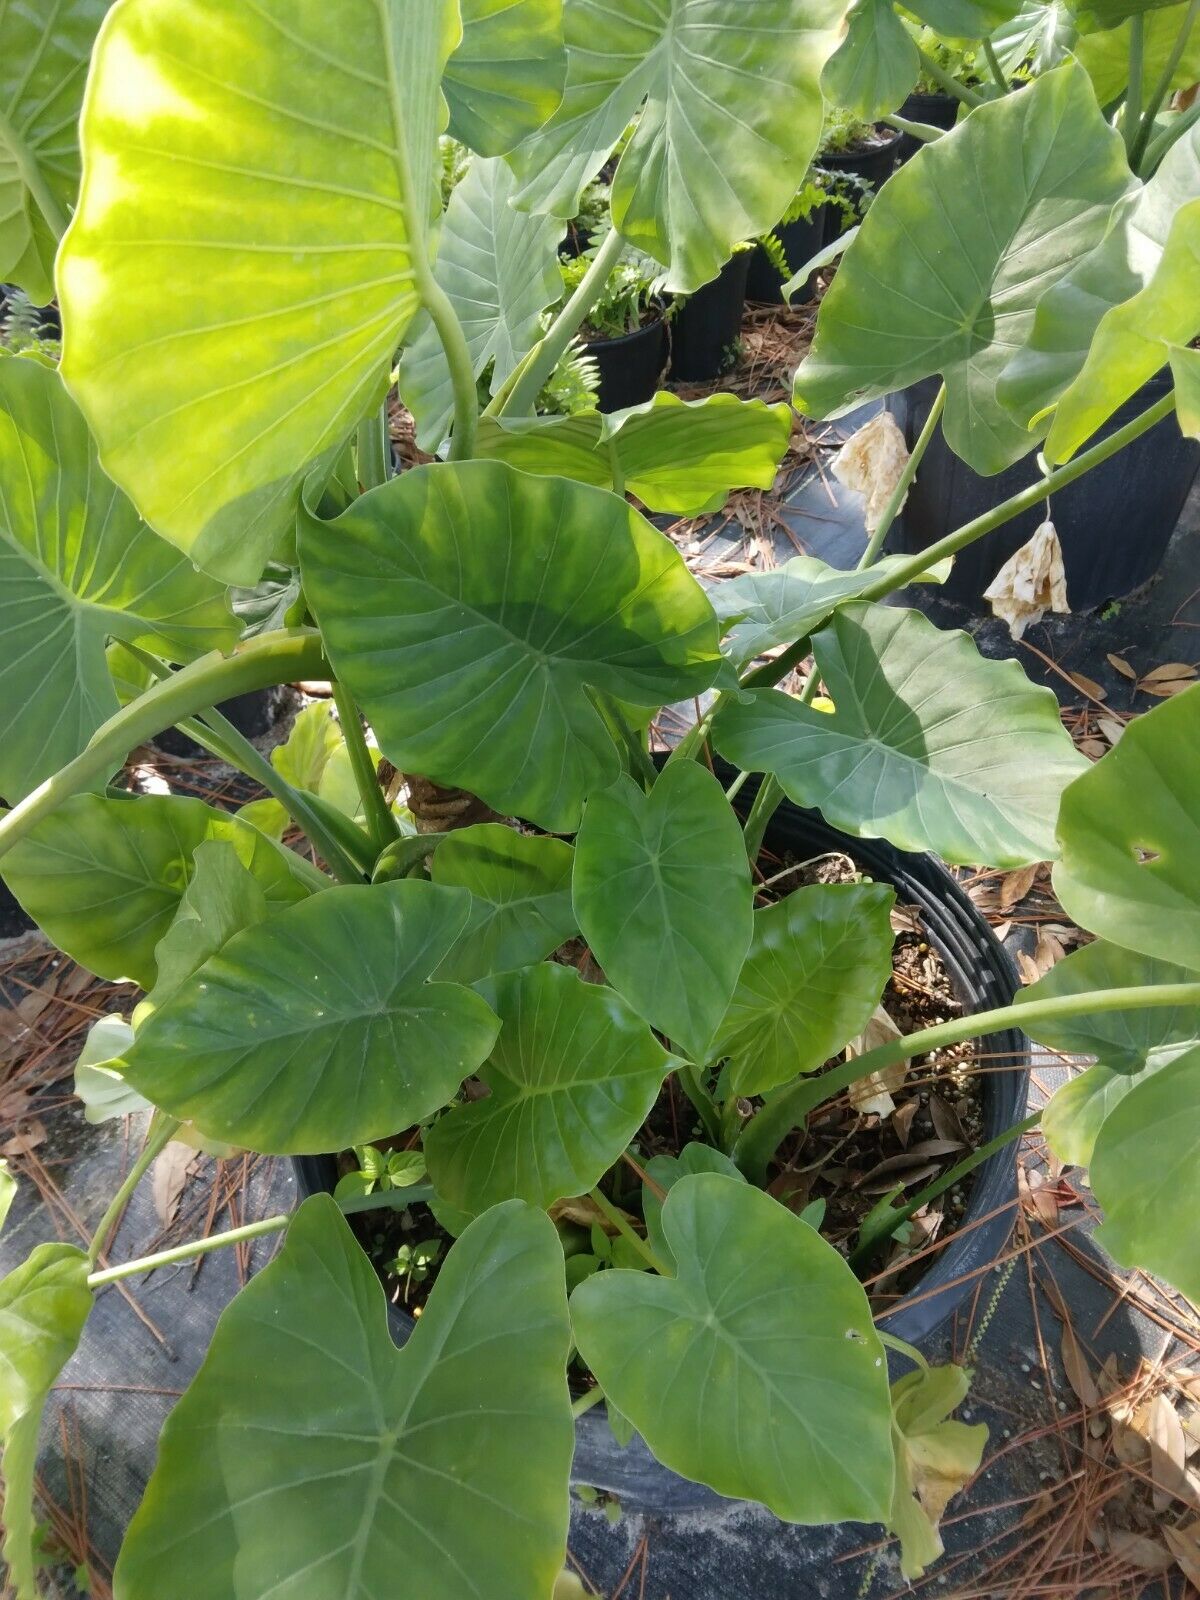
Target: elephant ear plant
column 256, row 237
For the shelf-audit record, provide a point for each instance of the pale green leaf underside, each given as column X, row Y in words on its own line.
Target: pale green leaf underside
column 931, row 746
column 817, row 965
column 506, row 77
column 922, row 291
column 43, row 67
column 663, row 895
column 249, row 151
column 1185, row 369
column 520, row 886
column 499, row 268
column 964, row 19
column 572, row 1077
column 77, row 566
column 731, row 118
column 1129, row 830
column 1105, row 54
column 103, row 877
column 777, row 1392
column 876, row 64
column 680, row 457
column 469, row 608
column 99, row 1083
column 318, row 1029
column 309, row 1458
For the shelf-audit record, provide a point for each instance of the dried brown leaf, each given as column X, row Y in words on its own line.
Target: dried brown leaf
column 1184, row 1545
column 1014, row 886
column 1076, row 1368
column 1168, row 1455
column 1139, row 1551
column 1030, row 583
column 1112, row 730
column 1094, row 690
column 1169, row 671
column 168, row 1179
column 902, row 1120
column 1119, row 664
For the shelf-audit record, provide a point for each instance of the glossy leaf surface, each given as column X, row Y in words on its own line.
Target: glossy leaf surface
column 775, row 1391
column 664, row 899
column 920, row 293
column 318, row 1029
column 470, row 608
column 572, row 1077
column 930, row 745
column 817, row 965
column 520, row 888
column 311, row 1457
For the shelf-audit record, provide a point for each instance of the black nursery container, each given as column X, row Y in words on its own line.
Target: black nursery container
column 706, row 327
column 251, row 713
column 800, row 240
column 631, row 366
column 1114, row 523
column 939, row 110
column 874, row 164
column 983, row 977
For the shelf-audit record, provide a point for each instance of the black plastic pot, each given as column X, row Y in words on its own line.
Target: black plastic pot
column 939, row 110
column 872, row 163
column 13, row 919
column 251, row 714
column 630, row 367
column 984, row 977
column 706, row 327
column 1114, row 523
column 800, row 240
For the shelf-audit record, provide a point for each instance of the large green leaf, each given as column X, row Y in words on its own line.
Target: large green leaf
column 77, row 566
column 1111, row 13
column 520, row 888
column 506, row 77
column 755, row 1369
column 731, row 117
column 1105, row 54
column 781, row 606
column 253, row 152
column 499, row 269
column 876, row 65
column 1128, row 1045
column 964, row 19
column 922, row 291
column 1130, row 835
column 665, row 1172
column 572, row 1077
column 931, row 746
column 222, row 898
column 1107, row 327
column 1145, row 1172
column 818, row 963
column 43, row 67
column 44, row 1304
column 1038, row 38
column 1185, row 369
column 318, row 1029
column 663, row 894
column 677, row 456
column 469, row 608
column 104, row 877
column 309, row 1458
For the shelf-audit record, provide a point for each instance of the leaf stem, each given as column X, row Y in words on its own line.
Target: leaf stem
column 904, row 483
column 770, row 794
column 1163, row 141
column 162, row 1130
column 926, row 132
column 372, row 448
column 705, row 1106
column 787, row 1107
column 32, row 177
column 902, row 1347
column 279, row 657
column 940, row 76
column 997, row 70
column 1131, row 120
column 546, row 355
column 1162, row 88
column 619, row 1221
column 381, row 824
column 586, row 1401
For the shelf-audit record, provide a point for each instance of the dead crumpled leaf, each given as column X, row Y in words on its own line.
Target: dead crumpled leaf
column 1030, row 583
column 870, row 1095
column 168, row 1178
column 872, row 462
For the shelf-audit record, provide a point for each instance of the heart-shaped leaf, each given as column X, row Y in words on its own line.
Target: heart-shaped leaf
column 781, row 606
column 956, row 299
column 318, row 1029
column 42, row 72
column 310, row 1457
column 469, row 608
column 278, row 158
column 964, row 19
column 520, row 898
column 44, row 1304
column 499, row 269
column 755, row 1369
column 730, row 117
column 1145, row 1172
column 817, row 965
column 665, row 1172
column 222, row 898
column 1130, row 835
column 77, row 567
column 663, row 895
column 677, row 456
column 506, row 77
column 876, row 65
column 931, row 746
column 572, row 1077
column 103, row 877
